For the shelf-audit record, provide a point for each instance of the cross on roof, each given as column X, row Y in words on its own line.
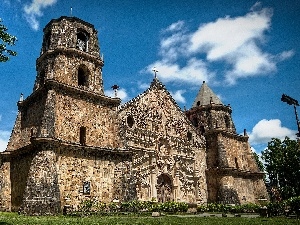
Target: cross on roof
column 155, row 72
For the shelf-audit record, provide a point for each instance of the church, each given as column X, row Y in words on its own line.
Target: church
column 71, row 142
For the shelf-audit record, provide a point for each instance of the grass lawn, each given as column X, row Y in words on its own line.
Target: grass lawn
column 15, row 219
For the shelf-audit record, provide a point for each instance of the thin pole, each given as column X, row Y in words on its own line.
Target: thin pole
column 297, row 119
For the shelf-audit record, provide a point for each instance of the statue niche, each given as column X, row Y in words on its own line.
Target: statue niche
column 164, row 189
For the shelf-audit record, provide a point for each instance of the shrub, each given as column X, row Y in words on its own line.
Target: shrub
column 86, row 205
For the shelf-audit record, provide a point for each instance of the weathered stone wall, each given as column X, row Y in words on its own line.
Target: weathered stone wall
column 108, row 173
column 42, row 194
column 164, row 142
column 233, row 176
column 73, row 112
column 5, row 185
column 65, row 70
column 238, row 152
column 28, row 122
column 19, row 171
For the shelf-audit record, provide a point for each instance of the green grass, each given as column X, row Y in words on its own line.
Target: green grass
column 15, row 219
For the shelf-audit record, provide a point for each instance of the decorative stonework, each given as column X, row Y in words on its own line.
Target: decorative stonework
column 165, row 144
column 72, row 143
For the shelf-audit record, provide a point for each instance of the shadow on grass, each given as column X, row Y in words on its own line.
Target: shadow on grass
column 4, row 223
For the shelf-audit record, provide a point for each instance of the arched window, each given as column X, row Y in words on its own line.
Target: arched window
column 130, row 121
column 83, row 75
column 82, row 40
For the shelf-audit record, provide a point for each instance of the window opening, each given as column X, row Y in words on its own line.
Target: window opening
column 82, row 81
column 236, row 162
column 82, row 41
column 189, row 135
column 82, row 134
column 195, row 121
column 202, row 130
column 130, row 121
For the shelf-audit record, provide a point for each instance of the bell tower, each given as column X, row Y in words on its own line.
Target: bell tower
column 229, row 158
column 68, row 101
column 70, row 54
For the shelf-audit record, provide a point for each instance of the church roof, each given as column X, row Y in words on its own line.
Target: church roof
column 205, row 96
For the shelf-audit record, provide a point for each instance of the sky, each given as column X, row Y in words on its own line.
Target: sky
column 247, row 51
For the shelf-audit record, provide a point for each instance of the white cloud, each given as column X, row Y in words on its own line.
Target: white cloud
column 121, row 93
column 194, row 72
column 34, row 10
column 178, row 96
column 286, row 55
column 175, row 26
column 235, row 42
column 264, row 130
column 4, row 137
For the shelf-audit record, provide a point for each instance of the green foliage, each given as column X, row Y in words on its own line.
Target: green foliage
column 282, row 163
column 86, row 206
column 173, row 207
column 275, row 208
column 6, row 39
column 214, row 207
column 93, row 206
column 259, row 163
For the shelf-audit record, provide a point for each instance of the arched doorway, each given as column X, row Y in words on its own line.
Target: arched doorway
column 164, row 188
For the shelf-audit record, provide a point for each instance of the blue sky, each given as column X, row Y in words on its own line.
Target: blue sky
column 246, row 51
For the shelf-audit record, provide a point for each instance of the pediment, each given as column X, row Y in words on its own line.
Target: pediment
column 153, row 119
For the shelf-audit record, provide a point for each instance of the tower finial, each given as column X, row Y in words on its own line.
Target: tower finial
column 71, row 11
column 155, row 72
column 21, row 97
column 115, row 88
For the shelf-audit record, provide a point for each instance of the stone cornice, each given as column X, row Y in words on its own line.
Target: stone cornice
column 56, row 144
column 70, row 51
column 235, row 172
column 57, row 86
column 211, row 106
column 215, row 132
column 72, row 19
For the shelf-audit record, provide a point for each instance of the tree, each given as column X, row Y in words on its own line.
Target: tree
column 259, row 163
column 6, row 39
column 282, row 164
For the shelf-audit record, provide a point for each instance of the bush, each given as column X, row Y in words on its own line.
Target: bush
column 93, row 206
column 214, row 207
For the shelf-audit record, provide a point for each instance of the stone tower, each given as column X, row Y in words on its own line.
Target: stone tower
column 65, row 138
column 232, row 174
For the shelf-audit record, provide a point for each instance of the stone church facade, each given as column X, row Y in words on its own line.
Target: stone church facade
column 70, row 142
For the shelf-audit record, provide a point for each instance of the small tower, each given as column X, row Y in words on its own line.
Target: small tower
column 232, row 174
column 209, row 113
